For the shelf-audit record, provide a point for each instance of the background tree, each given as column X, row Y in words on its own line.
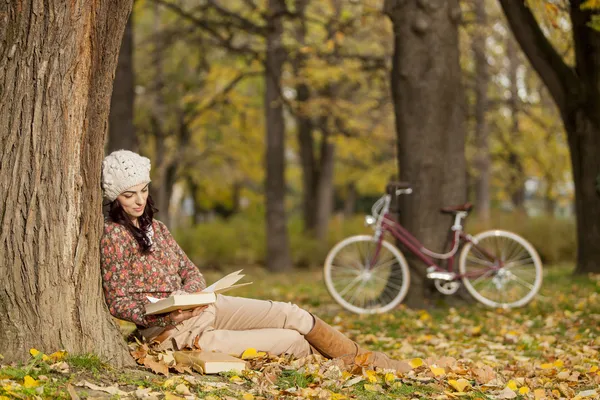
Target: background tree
column 576, row 92
column 278, row 253
column 430, row 120
column 58, row 61
column 121, row 131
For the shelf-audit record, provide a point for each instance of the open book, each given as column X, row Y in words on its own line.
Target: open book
column 193, row 300
column 208, row 362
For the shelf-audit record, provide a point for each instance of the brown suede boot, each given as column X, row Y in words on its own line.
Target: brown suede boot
column 333, row 344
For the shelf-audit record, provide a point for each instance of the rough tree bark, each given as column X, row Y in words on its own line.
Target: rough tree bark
column 430, row 122
column 278, row 252
column 121, row 132
column 482, row 157
column 576, row 92
column 57, row 64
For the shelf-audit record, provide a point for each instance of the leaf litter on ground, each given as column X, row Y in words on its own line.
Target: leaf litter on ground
column 547, row 350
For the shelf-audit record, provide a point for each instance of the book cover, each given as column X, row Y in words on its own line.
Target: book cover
column 193, row 300
column 208, row 362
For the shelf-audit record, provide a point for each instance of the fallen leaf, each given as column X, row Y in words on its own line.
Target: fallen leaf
column 156, row 366
column 437, row 371
column 249, row 353
column 506, row 393
column 373, row 388
column 415, row 362
column 29, row 382
column 248, row 396
column 459, row 385
column 371, row 376
column 588, row 393
column 389, row 378
column 109, row 389
column 523, row 390
column 171, row 396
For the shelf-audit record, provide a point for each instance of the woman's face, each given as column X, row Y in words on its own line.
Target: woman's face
column 133, row 200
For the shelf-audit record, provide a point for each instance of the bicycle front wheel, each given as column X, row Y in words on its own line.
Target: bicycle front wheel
column 501, row 269
column 366, row 276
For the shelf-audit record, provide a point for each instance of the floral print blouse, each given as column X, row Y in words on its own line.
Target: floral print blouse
column 128, row 275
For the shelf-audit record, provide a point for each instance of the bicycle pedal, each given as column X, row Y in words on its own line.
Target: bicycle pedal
column 443, row 276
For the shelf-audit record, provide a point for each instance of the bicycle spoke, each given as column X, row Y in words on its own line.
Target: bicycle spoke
column 519, row 263
column 343, row 292
column 521, row 281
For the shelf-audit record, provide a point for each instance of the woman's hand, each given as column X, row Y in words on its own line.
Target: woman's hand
column 179, row 316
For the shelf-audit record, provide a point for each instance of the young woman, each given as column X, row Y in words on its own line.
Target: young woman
column 140, row 258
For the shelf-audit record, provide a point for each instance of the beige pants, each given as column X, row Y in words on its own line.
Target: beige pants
column 233, row 324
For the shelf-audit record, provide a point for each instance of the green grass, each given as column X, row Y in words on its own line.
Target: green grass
column 290, row 378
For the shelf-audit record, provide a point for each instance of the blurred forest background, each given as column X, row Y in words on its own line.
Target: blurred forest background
column 191, row 90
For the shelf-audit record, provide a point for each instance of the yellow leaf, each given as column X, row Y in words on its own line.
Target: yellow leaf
column 389, row 378
column 558, row 363
column 524, row 390
column 34, row 352
column 594, row 368
column 416, row 362
column 546, row 366
column 371, row 376
column 346, row 375
column 4, row 398
column 475, row 330
column 337, row 396
column 249, row 353
column 29, row 382
column 248, row 396
column 437, row 371
column 372, row 388
column 58, row 355
column 45, row 357
column 512, row 385
column 171, row 382
column 236, row 379
column 424, row 316
column 459, row 385
column 171, row 396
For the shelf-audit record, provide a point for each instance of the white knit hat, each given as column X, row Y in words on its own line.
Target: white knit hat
column 121, row 170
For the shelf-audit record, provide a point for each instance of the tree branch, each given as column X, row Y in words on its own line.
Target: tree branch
column 560, row 79
column 244, row 23
column 224, row 41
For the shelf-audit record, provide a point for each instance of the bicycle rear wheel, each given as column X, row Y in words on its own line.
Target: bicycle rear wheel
column 501, row 269
column 366, row 276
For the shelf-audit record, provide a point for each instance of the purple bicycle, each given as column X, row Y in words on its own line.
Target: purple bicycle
column 367, row 274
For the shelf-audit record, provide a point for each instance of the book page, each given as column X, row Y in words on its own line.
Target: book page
column 224, row 282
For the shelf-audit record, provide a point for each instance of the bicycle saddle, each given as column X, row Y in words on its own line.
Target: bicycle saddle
column 454, row 209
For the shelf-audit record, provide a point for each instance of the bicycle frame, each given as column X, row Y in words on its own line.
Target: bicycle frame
column 385, row 223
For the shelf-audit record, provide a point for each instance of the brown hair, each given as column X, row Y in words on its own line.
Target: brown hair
column 118, row 215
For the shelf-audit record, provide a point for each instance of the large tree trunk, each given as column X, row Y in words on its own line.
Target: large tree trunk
column 278, row 252
column 58, row 61
column 121, row 132
column 576, row 92
column 482, row 157
column 430, row 122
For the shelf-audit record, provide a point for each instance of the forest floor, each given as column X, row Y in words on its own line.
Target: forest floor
column 547, row 350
